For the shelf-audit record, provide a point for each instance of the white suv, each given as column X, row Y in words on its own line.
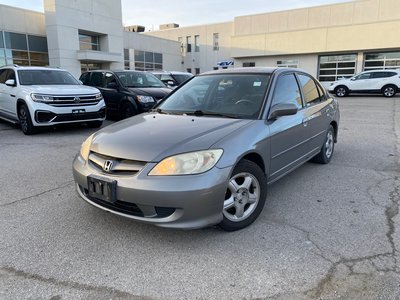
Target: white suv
column 385, row 82
column 39, row 96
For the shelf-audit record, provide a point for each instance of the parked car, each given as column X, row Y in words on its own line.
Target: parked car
column 206, row 153
column 385, row 82
column 172, row 79
column 37, row 97
column 127, row 93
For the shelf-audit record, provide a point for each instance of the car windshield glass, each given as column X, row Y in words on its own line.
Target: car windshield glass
column 139, row 80
column 46, row 77
column 231, row 95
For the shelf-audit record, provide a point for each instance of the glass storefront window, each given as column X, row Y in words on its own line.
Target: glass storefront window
column 15, row 41
column 334, row 67
column 37, row 43
column 148, row 61
column 89, row 42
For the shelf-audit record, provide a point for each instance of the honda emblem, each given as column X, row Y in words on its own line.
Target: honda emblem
column 107, row 165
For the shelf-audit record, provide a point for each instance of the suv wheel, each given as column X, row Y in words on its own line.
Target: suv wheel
column 245, row 196
column 389, row 90
column 341, row 91
column 25, row 120
column 127, row 110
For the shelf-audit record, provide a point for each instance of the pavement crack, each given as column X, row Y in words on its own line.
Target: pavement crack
column 103, row 290
column 39, row 194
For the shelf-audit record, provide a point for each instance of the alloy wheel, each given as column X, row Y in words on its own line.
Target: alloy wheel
column 242, row 197
column 329, row 144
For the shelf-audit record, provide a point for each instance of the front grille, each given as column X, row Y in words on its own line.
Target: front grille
column 118, row 166
column 74, row 100
column 129, row 208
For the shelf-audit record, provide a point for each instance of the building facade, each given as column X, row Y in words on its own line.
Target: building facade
column 330, row 41
column 80, row 36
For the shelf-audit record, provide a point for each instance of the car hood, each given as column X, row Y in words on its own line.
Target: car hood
column 62, row 89
column 157, row 93
column 151, row 137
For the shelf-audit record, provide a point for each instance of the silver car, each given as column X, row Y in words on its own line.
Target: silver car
column 206, row 153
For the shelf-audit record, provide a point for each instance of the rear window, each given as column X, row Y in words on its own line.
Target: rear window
column 46, row 77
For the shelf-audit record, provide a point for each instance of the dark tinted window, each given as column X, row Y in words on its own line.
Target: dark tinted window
column 10, row 74
column 110, row 78
column 96, row 79
column 15, row 41
column 383, row 74
column 310, row 92
column 3, row 75
column 364, row 76
column 85, row 78
column 287, row 91
column 37, row 43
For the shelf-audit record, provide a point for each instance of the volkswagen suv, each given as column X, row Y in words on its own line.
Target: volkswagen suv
column 40, row 96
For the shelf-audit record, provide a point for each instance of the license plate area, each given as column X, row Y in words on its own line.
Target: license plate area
column 78, row 111
column 102, row 188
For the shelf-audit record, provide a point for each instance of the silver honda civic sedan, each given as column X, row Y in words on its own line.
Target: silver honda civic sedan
column 206, row 154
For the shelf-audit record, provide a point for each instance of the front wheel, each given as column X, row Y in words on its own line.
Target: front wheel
column 25, row 120
column 325, row 155
column 341, row 91
column 389, row 90
column 127, row 110
column 245, row 196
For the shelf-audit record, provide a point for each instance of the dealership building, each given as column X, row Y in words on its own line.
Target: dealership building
column 329, row 41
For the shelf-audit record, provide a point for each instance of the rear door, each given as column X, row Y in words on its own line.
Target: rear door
column 317, row 112
column 288, row 135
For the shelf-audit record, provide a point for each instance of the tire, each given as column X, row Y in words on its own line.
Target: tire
column 25, row 120
column 245, row 196
column 326, row 153
column 94, row 124
column 389, row 90
column 127, row 110
column 341, row 91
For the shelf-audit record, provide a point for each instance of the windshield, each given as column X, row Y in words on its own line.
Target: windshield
column 46, row 77
column 139, row 80
column 230, row 95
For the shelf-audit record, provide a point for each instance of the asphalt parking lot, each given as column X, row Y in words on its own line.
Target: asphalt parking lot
column 326, row 232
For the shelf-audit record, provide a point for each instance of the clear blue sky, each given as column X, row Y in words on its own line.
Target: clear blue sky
column 185, row 13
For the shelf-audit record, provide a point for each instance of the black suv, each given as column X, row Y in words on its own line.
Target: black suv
column 126, row 93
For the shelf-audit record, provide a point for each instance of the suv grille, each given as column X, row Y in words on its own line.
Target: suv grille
column 74, row 100
column 118, row 166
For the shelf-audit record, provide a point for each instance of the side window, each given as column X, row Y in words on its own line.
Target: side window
column 322, row 93
column 85, row 78
column 96, row 79
column 287, row 91
column 310, row 92
column 109, row 79
column 3, row 75
column 364, row 76
column 10, row 74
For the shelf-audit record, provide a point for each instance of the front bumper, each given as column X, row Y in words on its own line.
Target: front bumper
column 45, row 115
column 185, row 202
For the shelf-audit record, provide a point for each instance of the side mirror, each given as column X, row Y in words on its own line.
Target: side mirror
column 112, row 85
column 80, row 82
column 10, row 82
column 282, row 109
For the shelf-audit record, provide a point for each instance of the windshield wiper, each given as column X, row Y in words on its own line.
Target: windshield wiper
column 201, row 113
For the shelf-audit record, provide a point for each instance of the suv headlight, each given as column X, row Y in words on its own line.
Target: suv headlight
column 42, row 98
column 145, row 99
column 187, row 163
column 99, row 96
column 85, row 148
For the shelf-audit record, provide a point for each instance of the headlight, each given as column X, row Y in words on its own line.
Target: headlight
column 42, row 98
column 187, row 163
column 85, row 148
column 145, row 99
column 98, row 96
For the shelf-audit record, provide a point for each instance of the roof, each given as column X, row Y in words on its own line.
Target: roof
column 250, row 70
